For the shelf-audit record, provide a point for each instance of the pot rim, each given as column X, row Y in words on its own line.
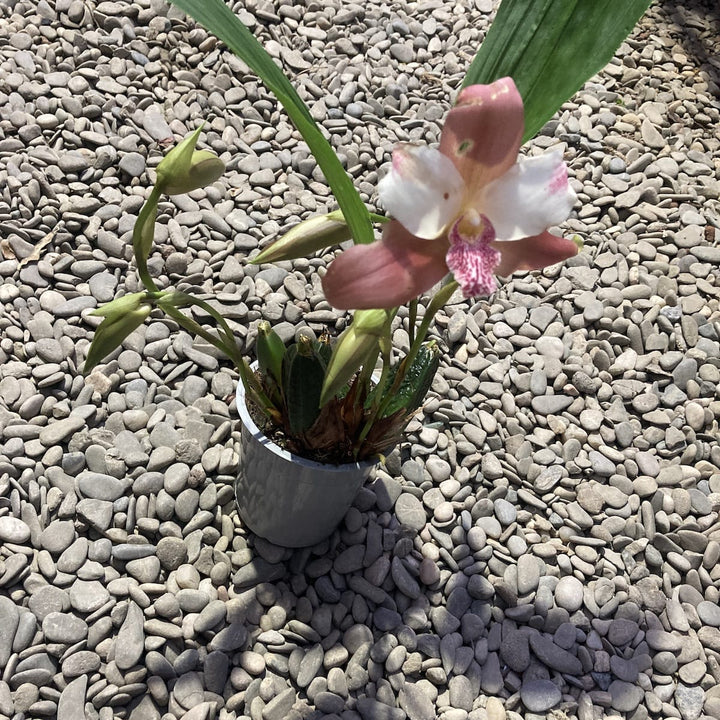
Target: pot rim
column 255, row 431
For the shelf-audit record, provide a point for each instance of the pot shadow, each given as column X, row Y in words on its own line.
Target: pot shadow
column 463, row 636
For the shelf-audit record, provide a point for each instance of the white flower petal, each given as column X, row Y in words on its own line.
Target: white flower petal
column 423, row 191
column 529, row 198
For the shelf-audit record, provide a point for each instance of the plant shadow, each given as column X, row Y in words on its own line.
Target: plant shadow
column 363, row 623
column 699, row 22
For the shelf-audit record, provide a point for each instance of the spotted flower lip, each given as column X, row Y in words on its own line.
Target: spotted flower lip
column 471, row 207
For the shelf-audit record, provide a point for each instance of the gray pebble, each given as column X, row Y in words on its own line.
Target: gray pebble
column 132, row 164
column 410, row 512
column 539, row 695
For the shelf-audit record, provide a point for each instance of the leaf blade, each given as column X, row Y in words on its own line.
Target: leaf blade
column 551, row 48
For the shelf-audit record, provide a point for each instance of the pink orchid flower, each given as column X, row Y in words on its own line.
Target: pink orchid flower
column 471, row 207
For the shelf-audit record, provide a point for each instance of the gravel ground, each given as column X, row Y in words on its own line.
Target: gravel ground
column 547, row 541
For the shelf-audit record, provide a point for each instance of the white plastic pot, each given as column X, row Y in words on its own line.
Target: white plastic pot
column 286, row 499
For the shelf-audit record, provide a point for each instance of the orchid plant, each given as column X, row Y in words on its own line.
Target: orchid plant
column 461, row 215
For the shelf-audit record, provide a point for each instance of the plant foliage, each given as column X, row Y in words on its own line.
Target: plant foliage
column 550, row 48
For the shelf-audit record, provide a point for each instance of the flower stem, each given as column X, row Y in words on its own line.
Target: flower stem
column 193, row 327
column 385, row 346
column 412, row 319
column 439, row 299
column 141, row 253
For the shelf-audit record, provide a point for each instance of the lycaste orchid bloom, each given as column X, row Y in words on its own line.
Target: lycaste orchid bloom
column 471, row 207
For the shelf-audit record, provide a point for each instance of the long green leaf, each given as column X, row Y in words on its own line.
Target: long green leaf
column 551, row 47
column 303, row 379
column 222, row 22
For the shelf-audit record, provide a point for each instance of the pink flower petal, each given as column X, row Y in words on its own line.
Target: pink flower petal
column 483, row 132
column 422, row 190
column 533, row 253
column 529, row 198
column 385, row 274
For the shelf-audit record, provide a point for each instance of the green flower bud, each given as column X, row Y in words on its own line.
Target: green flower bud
column 370, row 322
column 353, row 348
column 270, row 352
column 310, row 236
column 119, row 307
column 185, row 169
column 113, row 330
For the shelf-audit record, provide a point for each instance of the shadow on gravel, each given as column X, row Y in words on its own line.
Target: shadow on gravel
column 699, row 25
column 462, row 635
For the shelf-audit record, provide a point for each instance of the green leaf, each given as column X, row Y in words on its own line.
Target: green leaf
column 222, row 22
column 550, row 48
column 303, row 377
column 414, row 384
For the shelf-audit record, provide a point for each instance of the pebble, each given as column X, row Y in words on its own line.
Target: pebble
column 505, row 512
column 56, row 432
column 539, row 695
column 130, row 639
column 13, row 530
column 410, row 512
column 549, row 544
column 625, row 696
column 71, row 703
column 689, row 701
column 555, row 657
column 709, row 613
column 569, row 593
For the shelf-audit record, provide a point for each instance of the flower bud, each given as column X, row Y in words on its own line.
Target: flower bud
column 119, row 307
column 370, row 322
column 309, row 236
column 352, row 350
column 185, row 169
column 113, row 330
column 270, row 352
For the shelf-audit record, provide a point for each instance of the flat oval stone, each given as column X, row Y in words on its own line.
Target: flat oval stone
column 80, row 663
column 625, row 696
column 62, row 627
column 59, row 430
column 410, row 512
column 13, row 530
column 88, row 596
column 569, row 593
column 539, row 695
column 660, row 640
column 57, row 536
column 621, row 631
column 130, row 639
column 554, row 656
column 99, row 486
column 709, row 613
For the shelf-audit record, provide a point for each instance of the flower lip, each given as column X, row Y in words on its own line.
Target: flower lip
column 471, row 256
